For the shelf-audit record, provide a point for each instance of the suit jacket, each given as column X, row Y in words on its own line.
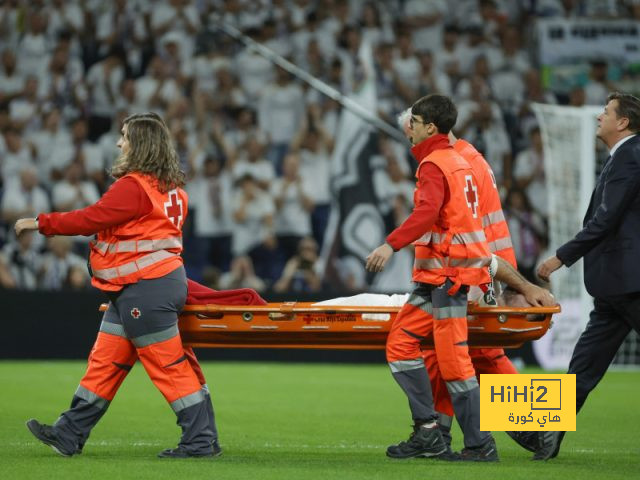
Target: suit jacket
column 610, row 238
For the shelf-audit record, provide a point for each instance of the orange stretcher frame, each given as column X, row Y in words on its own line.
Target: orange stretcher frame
column 305, row 326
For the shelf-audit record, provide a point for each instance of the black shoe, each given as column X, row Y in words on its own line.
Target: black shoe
column 447, row 456
column 527, row 440
column 548, row 445
column 46, row 435
column 486, row 453
column 181, row 452
column 423, row 442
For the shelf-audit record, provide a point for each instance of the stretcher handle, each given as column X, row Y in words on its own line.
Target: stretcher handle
column 304, row 307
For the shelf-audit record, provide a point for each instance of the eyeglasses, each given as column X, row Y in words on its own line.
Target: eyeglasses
column 413, row 120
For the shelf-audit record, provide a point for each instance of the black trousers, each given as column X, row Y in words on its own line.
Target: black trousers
column 611, row 319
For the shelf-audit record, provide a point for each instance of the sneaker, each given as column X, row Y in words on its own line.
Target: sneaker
column 548, row 445
column 527, row 440
column 423, row 442
column 181, row 452
column 447, row 456
column 485, row 453
column 47, row 435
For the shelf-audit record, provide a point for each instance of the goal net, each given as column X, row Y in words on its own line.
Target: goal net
column 569, row 143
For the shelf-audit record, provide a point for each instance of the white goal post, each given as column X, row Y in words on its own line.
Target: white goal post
column 568, row 137
column 569, row 142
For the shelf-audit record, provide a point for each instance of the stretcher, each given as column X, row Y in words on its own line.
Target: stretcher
column 306, row 326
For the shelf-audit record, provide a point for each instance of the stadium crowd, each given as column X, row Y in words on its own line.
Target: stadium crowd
column 255, row 142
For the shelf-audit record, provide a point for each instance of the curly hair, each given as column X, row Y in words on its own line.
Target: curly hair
column 150, row 152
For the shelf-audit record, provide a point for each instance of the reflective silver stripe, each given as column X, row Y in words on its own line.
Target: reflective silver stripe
column 462, row 386
column 90, row 397
column 157, row 337
column 442, row 313
column 420, row 302
column 427, row 263
column 132, row 267
column 493, row 217
column 113, row 329
column 445, row 421
column 187, row 401
column 404, row 365
column 139, row 245
column 437, row 238
column 470, row 237
column 500, row 244
column 435, row 263
column 470, row 262
column 426, row 238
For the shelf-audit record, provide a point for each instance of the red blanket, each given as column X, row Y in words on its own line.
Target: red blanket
column 198, row 294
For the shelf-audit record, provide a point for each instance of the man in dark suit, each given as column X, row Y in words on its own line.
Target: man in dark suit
column 610, row 245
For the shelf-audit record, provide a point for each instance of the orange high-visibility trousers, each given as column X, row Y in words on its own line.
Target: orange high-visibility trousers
column 416, row 321
column 484, row 360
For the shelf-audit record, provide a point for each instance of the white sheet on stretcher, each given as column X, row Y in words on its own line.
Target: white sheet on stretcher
column 378, row 300
column 368, row 300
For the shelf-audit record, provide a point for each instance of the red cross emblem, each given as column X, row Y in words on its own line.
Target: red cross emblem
column 135, row 312
column 471, row 192
column 173, row 208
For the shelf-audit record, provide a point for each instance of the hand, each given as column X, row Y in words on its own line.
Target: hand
column 378, row 258
column 538, row 296
column 25, row 224
column 549, row 266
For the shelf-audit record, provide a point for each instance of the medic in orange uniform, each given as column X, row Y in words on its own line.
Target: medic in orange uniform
column 135, row 259
column 451, row 254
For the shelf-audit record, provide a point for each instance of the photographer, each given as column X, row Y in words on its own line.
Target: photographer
column 299, row 274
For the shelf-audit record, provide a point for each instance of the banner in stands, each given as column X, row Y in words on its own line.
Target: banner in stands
column 356, row 224
column 563, row 41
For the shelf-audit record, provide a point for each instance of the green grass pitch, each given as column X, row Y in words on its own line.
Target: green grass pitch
column 290, row 421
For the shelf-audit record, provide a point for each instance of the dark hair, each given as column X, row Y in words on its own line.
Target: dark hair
column 628, row 107
column 436, row 109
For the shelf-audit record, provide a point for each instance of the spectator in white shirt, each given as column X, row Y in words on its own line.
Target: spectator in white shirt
column 155, row 90
column 74, row 191
column 52, row 139
column 254, row 72
column 16, row 155
column 61, row 268
column 405, row 61
column 431, row 79
column 33, row 49
column 211, row 193
column 11, row 81
column 20, row 263
column 25, row 109
column 120, row 23
column 253, row 212
column 23, row 196
column 293, row 207
column 528, row 173
column 280, row 112
column 425, row 17
column 63, row 83
column 83, row 151
column 314, row 145
column 103, row 80
column 176, row 17
column 251, row 161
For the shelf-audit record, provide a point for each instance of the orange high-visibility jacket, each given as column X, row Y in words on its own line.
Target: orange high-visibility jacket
column 143, row 248
column 456, row 246
column 495, row 225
